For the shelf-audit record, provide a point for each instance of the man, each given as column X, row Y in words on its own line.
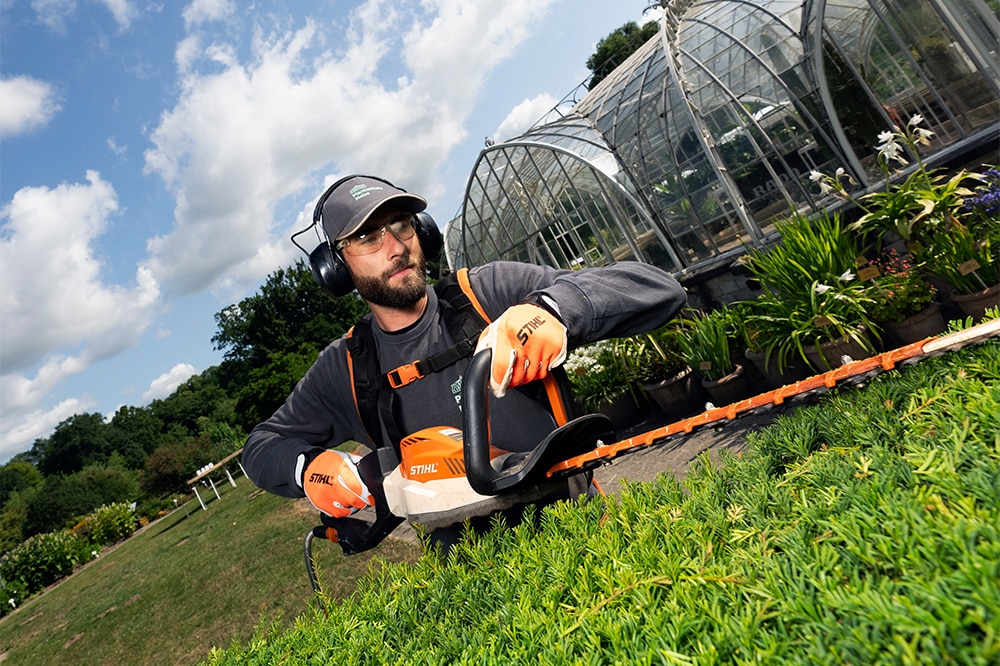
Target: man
column 538, row 314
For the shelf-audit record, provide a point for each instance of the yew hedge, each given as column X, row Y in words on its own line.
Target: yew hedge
column 863, row 529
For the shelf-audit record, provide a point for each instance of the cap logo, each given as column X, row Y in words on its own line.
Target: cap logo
column 359, row 192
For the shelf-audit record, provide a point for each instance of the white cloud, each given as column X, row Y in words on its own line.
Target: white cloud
column 27, row 104
column 203, row 11
column 53, row 296
column 523, row 116
column 115, row 148
column 167, row 383
column 245, row 136
column 24, row 428
column 53, row 13
column 122, row 11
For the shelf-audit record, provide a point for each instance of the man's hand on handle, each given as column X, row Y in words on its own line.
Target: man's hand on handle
column 527, row 341
column 332, row 484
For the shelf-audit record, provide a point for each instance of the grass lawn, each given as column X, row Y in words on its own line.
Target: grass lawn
column 186, row 583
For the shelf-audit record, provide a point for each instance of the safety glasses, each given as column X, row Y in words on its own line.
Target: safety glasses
column 369, row 242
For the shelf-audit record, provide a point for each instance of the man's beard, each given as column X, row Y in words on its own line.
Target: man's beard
column 377, row 290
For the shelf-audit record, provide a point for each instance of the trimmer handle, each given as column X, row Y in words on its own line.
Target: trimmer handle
column 577, row 437
column 353, row 534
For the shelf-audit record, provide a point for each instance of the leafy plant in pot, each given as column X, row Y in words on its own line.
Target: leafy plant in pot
column 656, row 364
column 811, row 302
column 952, row 230
column 830, row 322
column 904, row 300
column 602, row 382
column 705, row 344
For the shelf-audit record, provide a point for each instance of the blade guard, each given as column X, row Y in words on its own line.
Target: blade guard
column 353, row 534
column 575, row 438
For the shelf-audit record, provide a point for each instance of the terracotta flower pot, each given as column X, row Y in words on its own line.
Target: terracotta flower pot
column 729, row 389
column 833, row 353
column 975, row 304
column 914, row 328
column 675, row 395
column 794, row 371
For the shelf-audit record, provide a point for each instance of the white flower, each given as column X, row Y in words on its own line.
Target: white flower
column 815, row 176
column 846, row 276
column 13, row 604
column 823, row 288
column 839, row 173
column 94, row 553
column 889, row 149
column 915, row 120
column 824, row 188
column 923, row 136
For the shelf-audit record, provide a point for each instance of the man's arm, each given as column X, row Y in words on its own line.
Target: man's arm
column 611, row 301
column 313, row 417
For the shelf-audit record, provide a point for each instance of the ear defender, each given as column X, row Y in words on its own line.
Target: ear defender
column 326, row 263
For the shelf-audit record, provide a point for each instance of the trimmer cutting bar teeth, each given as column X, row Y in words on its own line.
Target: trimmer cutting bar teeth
column 850, row 373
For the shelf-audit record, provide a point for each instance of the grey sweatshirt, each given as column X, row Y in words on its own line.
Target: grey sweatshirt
column 618, row 300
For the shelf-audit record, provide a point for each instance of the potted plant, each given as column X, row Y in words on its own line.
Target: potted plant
column 966, row 253
column 705, row 344
column 602, row 382
column 656, row 364
column 904, row 300
column 951, row 229
column 812, row 310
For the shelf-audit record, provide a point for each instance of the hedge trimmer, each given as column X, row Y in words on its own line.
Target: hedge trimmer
column 447, row 475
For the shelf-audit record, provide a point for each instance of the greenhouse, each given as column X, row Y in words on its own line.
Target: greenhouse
column 703, row 138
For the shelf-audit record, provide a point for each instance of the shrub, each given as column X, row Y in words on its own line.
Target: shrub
column 107, row 525
column 863, row 530
column 43, row 559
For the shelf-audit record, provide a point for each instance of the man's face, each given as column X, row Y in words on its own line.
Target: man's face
column 393, row 276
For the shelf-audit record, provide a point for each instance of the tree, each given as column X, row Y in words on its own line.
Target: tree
column 78, row 441
column 269, row 339
column 614, row 49
column 16, row 476
column 136, row 427
column 169, row 466
column 61, row 498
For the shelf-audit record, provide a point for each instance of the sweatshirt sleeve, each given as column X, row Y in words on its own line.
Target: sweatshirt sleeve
column 617, row 300
column 313, row 417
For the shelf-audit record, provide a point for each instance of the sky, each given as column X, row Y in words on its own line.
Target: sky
column 156, row 156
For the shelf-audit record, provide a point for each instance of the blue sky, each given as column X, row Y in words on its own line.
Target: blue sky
column 156, row 156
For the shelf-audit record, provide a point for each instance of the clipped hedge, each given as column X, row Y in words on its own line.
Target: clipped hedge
column 864, row 529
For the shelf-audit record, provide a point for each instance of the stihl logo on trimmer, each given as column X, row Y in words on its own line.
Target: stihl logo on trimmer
column 528, row 329
column 416, row 470
column 316, row 477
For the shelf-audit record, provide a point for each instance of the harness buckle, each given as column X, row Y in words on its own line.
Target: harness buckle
column 404, row 374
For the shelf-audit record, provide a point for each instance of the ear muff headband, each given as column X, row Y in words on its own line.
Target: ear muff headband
column 325, row 261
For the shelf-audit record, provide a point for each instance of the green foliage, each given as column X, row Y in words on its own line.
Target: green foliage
column 811, row 250
column 704, row 342
column 900, row 290
column 614, row 49
column 168, row 467
column 42, row 560
column 60, row 499
column 16, row 476
column 967, row 262
column 13, row 516
column 865, row 529
column 810, row 293
column 76, row 442
column 597, row 376
column 107, row 525
column 274, row 333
